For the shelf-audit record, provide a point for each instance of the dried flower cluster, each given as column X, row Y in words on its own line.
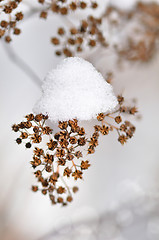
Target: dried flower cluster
column 8, row 24
column 60, row 155
column 8, row 9
column 138, row 45
column 64, row 7
column 87, row 34
column 124, row 129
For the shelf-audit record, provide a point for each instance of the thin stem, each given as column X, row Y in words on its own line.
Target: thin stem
column 109, row 116
column 19, row 62
column 65, row 185
column 74, row 165
column 112, row 125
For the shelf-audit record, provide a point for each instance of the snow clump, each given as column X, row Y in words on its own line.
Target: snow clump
column 75, row 89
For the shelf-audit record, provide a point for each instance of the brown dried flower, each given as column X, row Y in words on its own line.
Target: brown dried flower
column 59, row 157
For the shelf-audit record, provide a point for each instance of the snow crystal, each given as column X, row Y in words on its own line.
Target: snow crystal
column 75, row 89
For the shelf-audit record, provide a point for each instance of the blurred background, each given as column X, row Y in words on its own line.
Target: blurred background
column 118, row 199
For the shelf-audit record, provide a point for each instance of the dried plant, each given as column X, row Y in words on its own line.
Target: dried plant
column 64, row 7
column 140, row 38
column 8, row 25
column 139, row 44
column 76, row 40
column 10, row 16
column 61, row 155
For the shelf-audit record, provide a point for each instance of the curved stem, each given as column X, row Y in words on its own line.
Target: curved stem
column 19, row 62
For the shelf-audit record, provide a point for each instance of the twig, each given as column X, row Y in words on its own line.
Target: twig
column 19, row 62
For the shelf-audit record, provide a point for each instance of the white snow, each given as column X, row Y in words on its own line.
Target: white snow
column 127, row 5
column 75, row 89
column 123, row 4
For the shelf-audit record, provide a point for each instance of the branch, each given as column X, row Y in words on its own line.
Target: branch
column 19, row 62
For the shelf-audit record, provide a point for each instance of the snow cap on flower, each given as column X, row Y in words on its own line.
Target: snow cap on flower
column 75, row 89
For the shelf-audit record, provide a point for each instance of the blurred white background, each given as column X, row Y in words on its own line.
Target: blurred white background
column 115, row 169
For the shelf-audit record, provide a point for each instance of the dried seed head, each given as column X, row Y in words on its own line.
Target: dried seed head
column 57, row 158
column 55, row 41
column 28, row 145
column 43, row 14
column 75, row 189
column 19, row 140
column 118, row 119
column 69, row 199
column 34, row 188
